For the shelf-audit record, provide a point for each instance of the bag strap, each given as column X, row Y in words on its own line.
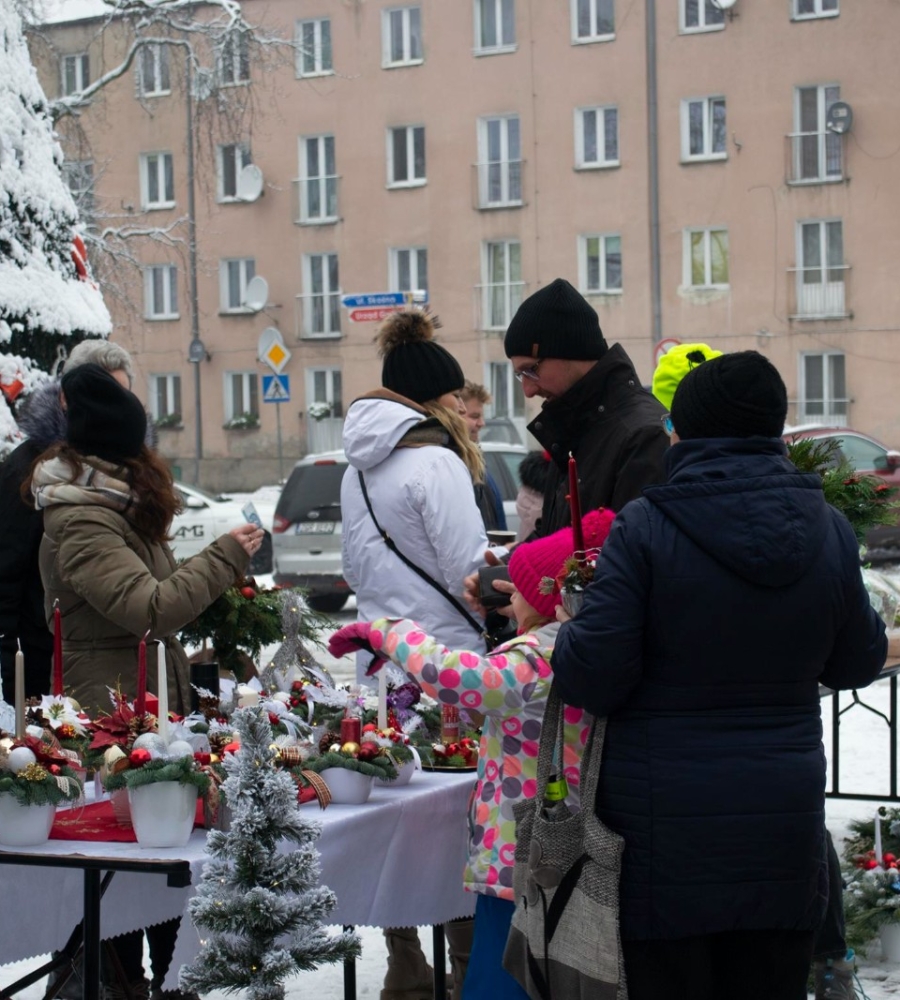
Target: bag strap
column 391, row 544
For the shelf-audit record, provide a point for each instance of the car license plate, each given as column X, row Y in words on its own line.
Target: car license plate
column 315, row 528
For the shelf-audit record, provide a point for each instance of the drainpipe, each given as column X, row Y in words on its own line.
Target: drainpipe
column 653, row 171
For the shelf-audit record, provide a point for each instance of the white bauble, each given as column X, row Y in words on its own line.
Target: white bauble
column 19, row 758
column 281, row 696
column 152, row 742
column 179, row 748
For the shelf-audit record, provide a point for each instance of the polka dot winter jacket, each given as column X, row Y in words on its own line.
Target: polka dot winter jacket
column 509, row 687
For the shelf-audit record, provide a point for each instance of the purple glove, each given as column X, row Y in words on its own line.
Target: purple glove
column 352, row 638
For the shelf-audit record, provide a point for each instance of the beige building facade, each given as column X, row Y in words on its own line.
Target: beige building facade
column 474, row 150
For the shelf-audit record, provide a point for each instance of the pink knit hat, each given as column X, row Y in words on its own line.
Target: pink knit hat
column 531, row 562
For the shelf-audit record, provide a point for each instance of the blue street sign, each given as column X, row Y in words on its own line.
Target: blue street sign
column 276, row 388
column 373, row 299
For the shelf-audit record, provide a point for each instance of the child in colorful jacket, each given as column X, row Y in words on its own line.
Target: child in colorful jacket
column 509, row 687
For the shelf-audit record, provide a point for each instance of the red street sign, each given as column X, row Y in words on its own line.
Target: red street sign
column 371, row 315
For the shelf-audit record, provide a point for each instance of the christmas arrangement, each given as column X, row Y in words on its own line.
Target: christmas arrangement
column 872, row 879
column 37, row 771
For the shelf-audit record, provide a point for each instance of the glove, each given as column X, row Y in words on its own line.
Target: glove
column 352, row 638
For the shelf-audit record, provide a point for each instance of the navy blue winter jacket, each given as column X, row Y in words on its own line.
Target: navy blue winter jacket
column 721, row 601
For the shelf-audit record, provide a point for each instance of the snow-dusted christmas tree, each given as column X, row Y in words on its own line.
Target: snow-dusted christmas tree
column 46, row 298
column 261, row 909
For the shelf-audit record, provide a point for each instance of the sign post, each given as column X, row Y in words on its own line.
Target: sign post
column 276, row 388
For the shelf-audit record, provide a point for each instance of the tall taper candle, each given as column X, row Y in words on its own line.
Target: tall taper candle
column 20, row 692
column 382, row 697
column 879, row 857
column 57, row 651
column 575, row 507
column 162, row 690
column 140, row 702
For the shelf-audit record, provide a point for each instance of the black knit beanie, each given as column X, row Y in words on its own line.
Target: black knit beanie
column 102, row 417
column 735, row 395
column 555, row 322
column 414, row 365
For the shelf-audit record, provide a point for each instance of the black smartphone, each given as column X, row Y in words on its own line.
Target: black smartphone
column 487, row 594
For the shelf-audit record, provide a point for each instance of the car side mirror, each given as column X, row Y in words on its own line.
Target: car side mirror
column 892, row 460
column 195, row 503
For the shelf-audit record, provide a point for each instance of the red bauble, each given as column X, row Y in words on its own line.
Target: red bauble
column 248, row 592
column 889, row 858
column 231, row 747
column 870, row 864
column 55, row 769
column 368, row 751
column 139, row 757
column 370, row 728
column 202, row 758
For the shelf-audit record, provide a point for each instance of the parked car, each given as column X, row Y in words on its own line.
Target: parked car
column 868, row 457
column 205, row 516
column 306, row 529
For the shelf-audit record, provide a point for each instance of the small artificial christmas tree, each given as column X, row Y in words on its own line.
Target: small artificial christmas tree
column 299, row 625
column 262, row 910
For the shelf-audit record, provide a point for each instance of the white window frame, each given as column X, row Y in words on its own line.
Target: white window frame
column 501, row 45
column 704, row 9
column 708, row 110
column 822, row 298
column 234, row 60
column 168, row 288
column 170, row 382
column 599, row 114
column 817, row 11
column 412, row 266
column 161, row 66
column 829, row 415
column 249, row 390
column 603, row 287
column 331, row 297
column 504, row 387
column 152, row 205
column 81, row 172
column 824, row 143
column 333, row 395
column 510, row 290
column 706, row 232
column 325, row 184
column 322, row 53
column 244, row 269
column 407, row 58
column 81, row 72
column 593, row 6
column 239, row 152
column 411, row 180
column 510, row 168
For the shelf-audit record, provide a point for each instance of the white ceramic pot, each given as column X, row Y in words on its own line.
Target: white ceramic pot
column 24, row 826
column 163, row 813
column 890, row 941
column 347, row 787
column 404, row 772
column 121, row 807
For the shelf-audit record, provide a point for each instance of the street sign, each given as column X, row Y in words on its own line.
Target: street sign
column 370, row 315
column 662, row 347
column 371, row 300
column 276, row 388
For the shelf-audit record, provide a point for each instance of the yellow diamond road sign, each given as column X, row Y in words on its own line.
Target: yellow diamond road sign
column 277, row 356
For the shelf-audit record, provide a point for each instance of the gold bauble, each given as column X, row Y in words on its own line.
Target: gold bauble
column 350, row 748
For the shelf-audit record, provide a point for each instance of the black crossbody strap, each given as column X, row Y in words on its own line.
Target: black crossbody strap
column 479, row 628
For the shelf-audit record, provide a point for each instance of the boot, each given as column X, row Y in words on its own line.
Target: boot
column 408, row 976
column 459, row 946
column 834, row 978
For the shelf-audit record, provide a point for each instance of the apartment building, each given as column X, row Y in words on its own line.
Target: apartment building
column 473, row 150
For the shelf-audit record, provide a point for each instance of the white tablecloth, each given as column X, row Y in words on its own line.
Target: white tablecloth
column 395, row 861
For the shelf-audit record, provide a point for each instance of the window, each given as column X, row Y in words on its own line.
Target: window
column 507, row 397
column 323, row 385
column 401, row 36
column 165, row 398
column 600, row 264
column 406, row 156
column 703, row 130
column 593, row 20
column 823, row 390
column 706, row 258
column 701, row 15
column 318, row 179
column 500, row 169
column 495, row 25
column 234, row 276
column 241, row 397
column 79, row 178
column 409, row 269
column 313, row 39
column 820, row 269
column 815, row 8
column 232, row 160
column 234, row 59
column 157, row 181
column 596, row 137
column 817, row 153
column 322, row 305
column 502, row 286
column 153, row 73
column 75, row 73
column 161, row 292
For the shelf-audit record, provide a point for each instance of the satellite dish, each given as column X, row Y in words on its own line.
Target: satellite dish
column 257, row 294
column 250, row 183
column 724, row 4
column 839, row 118
column 203, row 83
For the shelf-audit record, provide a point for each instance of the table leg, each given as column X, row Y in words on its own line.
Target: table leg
column 349, row 975
column 440, row 962
column 91, row 932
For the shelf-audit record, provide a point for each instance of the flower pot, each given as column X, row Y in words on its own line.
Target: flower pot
column 404, row 775
column 121, row 807
column 162, row 813
column 572, row 601
column 24, row 826
column 347, row 787
column 890, row 941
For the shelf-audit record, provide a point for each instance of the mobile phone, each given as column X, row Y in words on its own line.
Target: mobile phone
column 250, row 515
column 490, row 597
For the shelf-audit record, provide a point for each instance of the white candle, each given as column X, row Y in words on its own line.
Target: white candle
column 20, row 692
column 247, row 696
column 382, row 698
column 878, row 854
column 162, row 682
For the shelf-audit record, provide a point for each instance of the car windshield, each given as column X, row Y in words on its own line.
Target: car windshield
column 312, row 488
column 861, row 453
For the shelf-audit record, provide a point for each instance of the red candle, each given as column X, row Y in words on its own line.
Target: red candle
column 575, row 508
column 140, row 702
column 57, row 651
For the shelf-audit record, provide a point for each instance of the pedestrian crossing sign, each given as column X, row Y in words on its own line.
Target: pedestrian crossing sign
column 276, row 388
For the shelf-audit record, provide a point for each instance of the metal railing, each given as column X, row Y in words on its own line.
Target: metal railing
column 316, row 200
column 815, row 158
column 819, row 292
column 499, row 184
column 824, row 412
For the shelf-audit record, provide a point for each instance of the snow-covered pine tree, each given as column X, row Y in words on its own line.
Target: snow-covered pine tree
column 261, row 909
column 44, row 302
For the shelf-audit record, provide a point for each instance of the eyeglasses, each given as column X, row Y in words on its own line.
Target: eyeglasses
column 668, row 426
column 529, row 373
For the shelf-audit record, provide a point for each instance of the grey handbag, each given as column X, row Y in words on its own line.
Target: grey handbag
column 564, row 941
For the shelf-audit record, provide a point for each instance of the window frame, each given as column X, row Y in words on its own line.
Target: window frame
column 249, row 389
column 172, row 383
column 824, row 267
column 817, row 13
column 82, row 73
column 414, row 265
column 592, row 38
column 238, row 57
column 82, row 193
column 319, row 48
column 168, row 290
column 603, row 264
column 501, row 47
column 160, row 56
column 245, row 266
column 702, row 26
column 600, row 164
column 687, row 269
column 507, row 179
column 411, row 181
column 331, row 304
column 825, row 142
column 708, row 155
column 829, row 418
column 509, row 305
column 154, row 206
column 242, row 148
column 334, row 393
column 407, row 59
column 323, row 181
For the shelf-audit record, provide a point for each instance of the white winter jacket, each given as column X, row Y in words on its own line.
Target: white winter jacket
column 423, row 497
